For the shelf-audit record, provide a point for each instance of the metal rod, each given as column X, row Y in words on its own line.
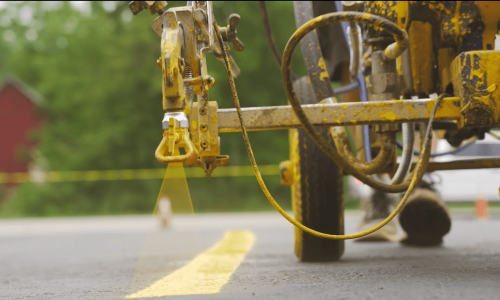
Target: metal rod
column 463, row 165
column 457, row 165
column 339, row 114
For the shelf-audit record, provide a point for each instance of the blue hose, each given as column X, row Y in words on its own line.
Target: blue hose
column 366, row 129
column 454, row 151
column 345, row 88
column 363, row 96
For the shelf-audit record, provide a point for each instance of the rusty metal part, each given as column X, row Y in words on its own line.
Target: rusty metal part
column 152, row 6
column 339, row 114
column 229, row 33
column 475, row 79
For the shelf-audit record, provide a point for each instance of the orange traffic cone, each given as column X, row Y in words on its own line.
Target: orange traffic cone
column 482, row 209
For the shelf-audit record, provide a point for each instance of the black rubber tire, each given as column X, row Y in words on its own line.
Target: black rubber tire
column 317, row 191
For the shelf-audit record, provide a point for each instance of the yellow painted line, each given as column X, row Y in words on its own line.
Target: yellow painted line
column 207, row 272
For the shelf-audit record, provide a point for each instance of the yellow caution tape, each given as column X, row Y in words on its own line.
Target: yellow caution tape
column 130, row 174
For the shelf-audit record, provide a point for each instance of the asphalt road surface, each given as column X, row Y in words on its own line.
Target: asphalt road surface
column 116, row 257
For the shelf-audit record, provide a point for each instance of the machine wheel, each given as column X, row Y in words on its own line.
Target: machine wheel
column 317, row 191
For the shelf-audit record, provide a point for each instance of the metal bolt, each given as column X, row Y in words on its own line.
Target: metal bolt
column 203, row 111
column 203, row 127
column 180, row 117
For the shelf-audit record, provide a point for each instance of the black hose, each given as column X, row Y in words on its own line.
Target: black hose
column 269, row 35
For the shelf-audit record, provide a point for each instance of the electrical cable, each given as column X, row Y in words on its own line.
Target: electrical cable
column 390, row 52
column 454, row 151
column 269, row 35
column 415, row 178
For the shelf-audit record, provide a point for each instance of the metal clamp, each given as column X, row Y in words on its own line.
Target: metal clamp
column 229, row 33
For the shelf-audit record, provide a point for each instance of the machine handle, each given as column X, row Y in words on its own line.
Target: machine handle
column 185, row 143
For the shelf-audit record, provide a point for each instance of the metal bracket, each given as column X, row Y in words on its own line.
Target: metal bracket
column 172, row 63
column 205, row 135
column 204, row 128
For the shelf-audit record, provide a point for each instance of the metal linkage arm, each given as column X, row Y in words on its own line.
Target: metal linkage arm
column 339, row 114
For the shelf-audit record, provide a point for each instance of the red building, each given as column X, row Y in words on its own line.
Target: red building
column 19, row 123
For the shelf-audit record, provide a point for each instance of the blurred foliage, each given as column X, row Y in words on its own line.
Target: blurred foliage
column 96, row 69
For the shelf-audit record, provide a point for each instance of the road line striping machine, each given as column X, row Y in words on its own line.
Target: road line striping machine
column 400, row 56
